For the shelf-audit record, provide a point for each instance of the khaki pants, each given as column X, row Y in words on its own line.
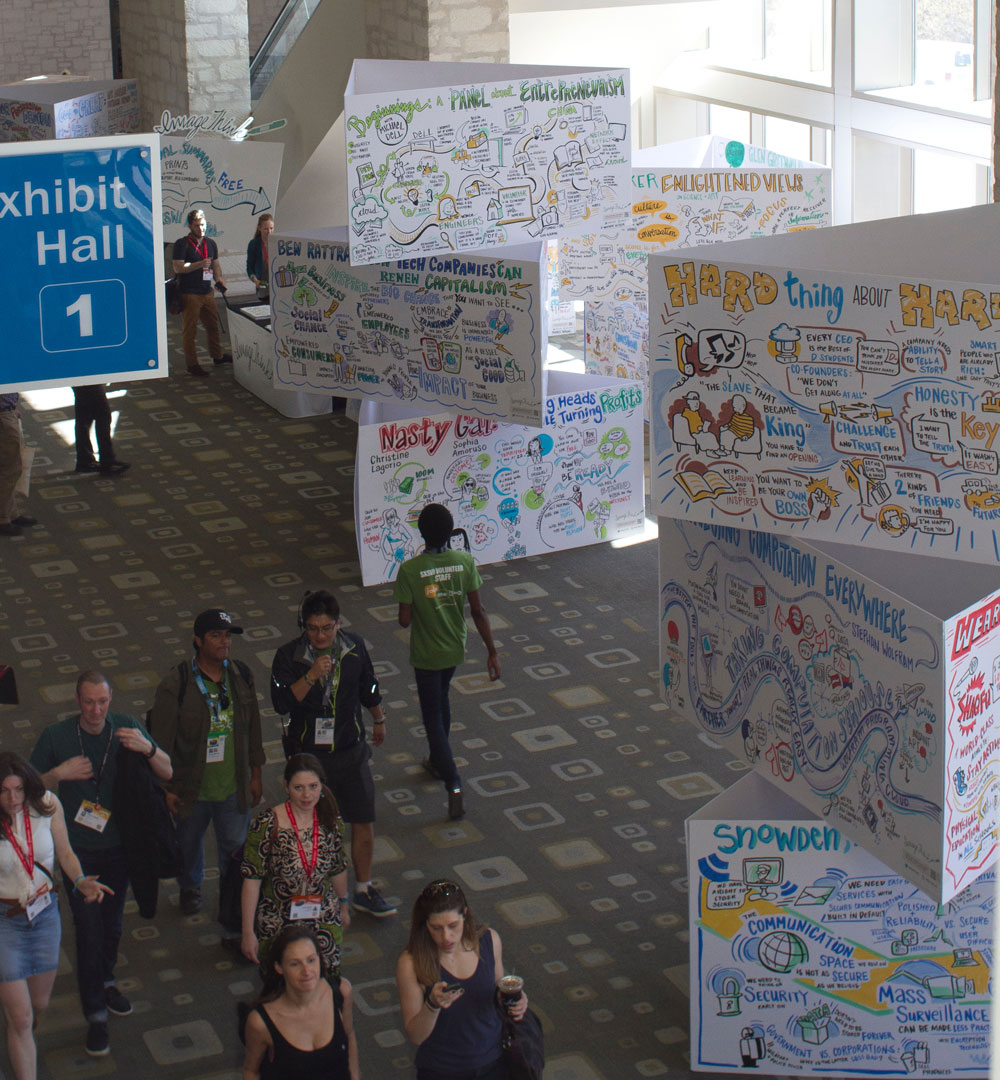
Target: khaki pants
column 10, row 463
column 200, row 306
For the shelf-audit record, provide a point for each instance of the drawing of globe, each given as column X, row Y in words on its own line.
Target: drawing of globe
column 782, row 951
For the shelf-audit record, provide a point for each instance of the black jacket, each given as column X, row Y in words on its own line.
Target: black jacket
column 355, row 687
column 147, row 829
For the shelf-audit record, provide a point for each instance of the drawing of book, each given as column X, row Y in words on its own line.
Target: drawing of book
column 570, row 154
column 706, row 485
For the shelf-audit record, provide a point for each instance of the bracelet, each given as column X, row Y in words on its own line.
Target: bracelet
column 341, row 899
column 427, row 1000
column 77, row 882
column 309, row 681
column 378, row 721
column 152, row 752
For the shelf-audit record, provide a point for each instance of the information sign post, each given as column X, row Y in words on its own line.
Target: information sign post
column 83, row 253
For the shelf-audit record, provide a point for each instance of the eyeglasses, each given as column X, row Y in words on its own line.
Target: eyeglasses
column 325, row 628
column 441, row 888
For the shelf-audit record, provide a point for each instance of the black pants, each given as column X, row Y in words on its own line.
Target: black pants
column 91, row 407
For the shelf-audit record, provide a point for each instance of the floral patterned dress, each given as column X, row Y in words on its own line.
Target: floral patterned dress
column 272, row 856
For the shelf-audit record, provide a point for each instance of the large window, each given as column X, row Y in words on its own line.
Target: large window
column 787, row 39
column 940, row 54
column 894, row 95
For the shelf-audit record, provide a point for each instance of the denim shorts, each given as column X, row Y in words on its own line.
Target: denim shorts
column 29, row 948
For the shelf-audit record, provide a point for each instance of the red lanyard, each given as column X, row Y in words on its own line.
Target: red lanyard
column 309, row 867
column 28, row 861
column 197, row 248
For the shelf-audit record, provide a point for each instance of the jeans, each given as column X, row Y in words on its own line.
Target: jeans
column 98, row 928
column 435, row 710
column 230, row 824
column 91, row 407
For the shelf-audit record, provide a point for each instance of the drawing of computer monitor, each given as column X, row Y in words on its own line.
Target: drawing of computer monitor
column 759, row 874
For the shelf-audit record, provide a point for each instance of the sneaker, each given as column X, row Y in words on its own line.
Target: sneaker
column 225, row 358
column 25, row 521
column 198, row 372
column 456, row 808
column 118, row 1003
column 190, row 901
column 430, row 770
column 97, row 1038
column 87, row 466
column 372, row 902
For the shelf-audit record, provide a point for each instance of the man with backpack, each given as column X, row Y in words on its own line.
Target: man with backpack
column 205, row 711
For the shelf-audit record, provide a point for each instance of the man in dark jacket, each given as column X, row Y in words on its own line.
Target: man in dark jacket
column 78, row 759
column 205, row 710
column 322, row 679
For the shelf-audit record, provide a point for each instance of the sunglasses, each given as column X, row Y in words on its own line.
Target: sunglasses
column 441, row 888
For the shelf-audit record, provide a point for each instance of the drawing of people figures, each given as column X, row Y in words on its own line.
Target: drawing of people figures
column 691, row 425
column 538, row 472
column 739, row 427
column 396, row 544
column 598, row 513
column 752, row 1046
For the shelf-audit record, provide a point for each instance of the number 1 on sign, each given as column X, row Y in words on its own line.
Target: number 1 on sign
column 82, row 307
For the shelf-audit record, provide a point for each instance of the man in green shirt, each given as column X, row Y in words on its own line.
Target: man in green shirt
column 431, row 589
column 78, row 758
column 206, row 711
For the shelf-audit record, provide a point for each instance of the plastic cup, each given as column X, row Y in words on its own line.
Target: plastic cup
column 511, row 987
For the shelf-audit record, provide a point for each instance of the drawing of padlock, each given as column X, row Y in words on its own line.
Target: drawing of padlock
column 729, row 999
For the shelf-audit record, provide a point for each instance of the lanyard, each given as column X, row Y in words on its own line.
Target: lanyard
column 309, row 867
column 332, row 680
column 28, row 860
column 197, row 247
column 213, row 700
column 104, row 760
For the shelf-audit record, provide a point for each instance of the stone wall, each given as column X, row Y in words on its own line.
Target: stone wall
column 438, row 30
column 469, row 32
column 188, row 56
column 46, row 37
column 153, row 53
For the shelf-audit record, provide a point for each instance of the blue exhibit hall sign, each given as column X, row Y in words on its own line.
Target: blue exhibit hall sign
column 82, row 233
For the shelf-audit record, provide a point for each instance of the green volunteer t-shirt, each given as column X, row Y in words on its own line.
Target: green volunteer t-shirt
column 435, row 584
column 219, row 779
column 64, row 740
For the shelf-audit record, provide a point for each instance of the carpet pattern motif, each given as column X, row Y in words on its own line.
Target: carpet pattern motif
column 577, row 778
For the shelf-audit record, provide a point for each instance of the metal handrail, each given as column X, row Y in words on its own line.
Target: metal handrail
column 284, row 32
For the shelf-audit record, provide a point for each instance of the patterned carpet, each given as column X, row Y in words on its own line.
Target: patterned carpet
column 578, row 780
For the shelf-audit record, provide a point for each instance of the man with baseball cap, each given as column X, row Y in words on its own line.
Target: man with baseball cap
column 205, row 711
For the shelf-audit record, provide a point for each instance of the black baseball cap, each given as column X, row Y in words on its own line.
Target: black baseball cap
column 215, row 619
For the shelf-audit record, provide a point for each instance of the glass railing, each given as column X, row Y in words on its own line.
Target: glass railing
column 278, row 44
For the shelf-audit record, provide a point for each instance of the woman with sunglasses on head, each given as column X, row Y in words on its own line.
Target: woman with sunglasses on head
column 294, row 869
column 301, row 1027
column 447, row 979
column 32, row 836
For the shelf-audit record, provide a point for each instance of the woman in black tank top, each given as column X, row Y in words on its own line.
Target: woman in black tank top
column 301, row 1027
